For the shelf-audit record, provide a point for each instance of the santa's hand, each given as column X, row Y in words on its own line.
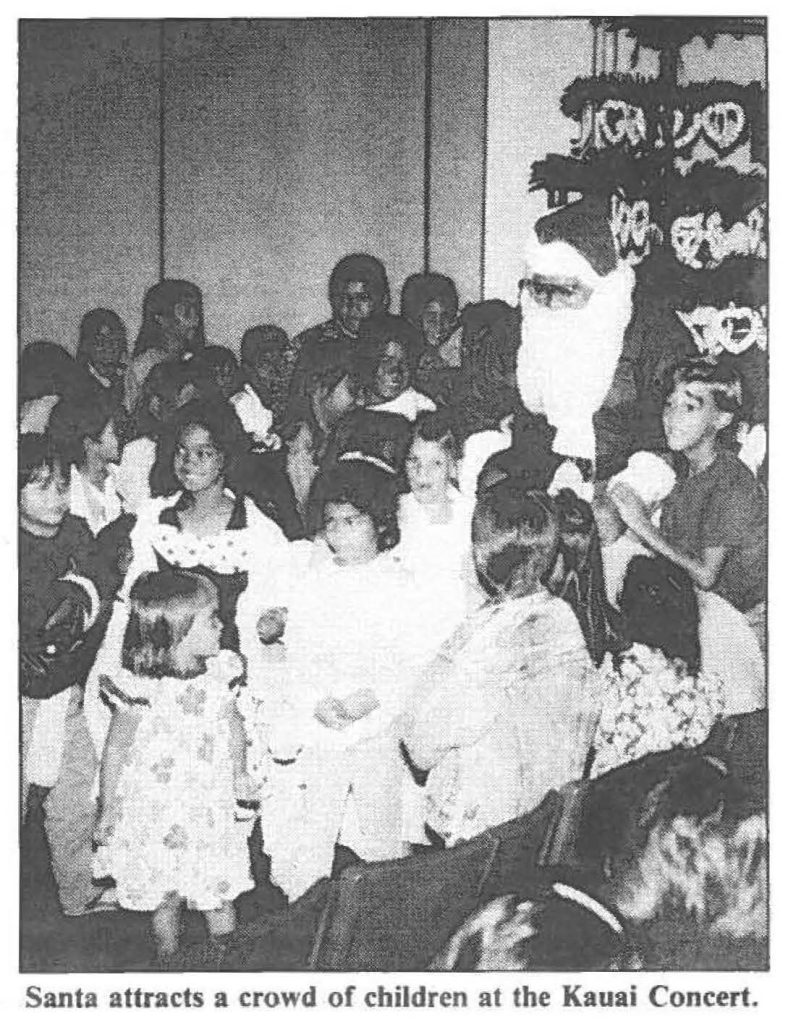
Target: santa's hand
column 332, row 713
column 630, row 507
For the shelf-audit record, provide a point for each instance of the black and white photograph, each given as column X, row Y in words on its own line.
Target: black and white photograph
column 392, row 426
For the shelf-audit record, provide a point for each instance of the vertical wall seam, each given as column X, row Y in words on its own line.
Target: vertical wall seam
column 427, row 141
column 162, row 155
column 485, row 130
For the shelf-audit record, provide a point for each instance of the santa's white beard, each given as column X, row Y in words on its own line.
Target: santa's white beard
column 567, row 359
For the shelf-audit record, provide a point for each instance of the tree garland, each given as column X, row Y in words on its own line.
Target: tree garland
column 639, row 113
column 673, row 33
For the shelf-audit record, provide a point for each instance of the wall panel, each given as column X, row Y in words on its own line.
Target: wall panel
column 289, row 144
column 88, row 172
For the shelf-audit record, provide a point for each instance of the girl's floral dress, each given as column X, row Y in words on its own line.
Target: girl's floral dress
column 176, row 829
column 652, row 703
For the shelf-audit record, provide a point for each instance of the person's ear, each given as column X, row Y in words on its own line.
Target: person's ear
column 154, row 406
column 724, row 419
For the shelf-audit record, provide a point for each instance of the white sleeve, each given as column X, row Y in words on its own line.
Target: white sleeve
column 132, row 476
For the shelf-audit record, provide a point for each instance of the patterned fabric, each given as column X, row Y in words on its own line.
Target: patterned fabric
column 176, row 830
column 504, row 713
column 652, row 703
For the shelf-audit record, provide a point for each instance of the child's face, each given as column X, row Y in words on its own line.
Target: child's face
column 429, row 469
column 691, row 416
column 225, row 377
column 265, row 371
column 179, row 327
column 393, row 374
column 355, row 305
column 110, row 352
column 435, row 323
column 44, row 500
column 198, row 464
column 350, row 533
column 202, row 640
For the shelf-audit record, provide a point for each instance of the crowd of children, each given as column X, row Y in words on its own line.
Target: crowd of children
column 327, row 586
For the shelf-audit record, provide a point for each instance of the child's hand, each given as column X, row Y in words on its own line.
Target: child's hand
column 332, row 713
column 244, row 788
column 630, row 507
column 360, row 704
column 271, row 625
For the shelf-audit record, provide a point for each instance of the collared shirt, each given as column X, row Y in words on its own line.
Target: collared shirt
column 97, row 507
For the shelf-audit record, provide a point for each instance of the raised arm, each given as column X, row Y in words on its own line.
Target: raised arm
column 703, row 571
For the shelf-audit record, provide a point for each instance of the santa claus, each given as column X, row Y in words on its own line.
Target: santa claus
column 576, row 300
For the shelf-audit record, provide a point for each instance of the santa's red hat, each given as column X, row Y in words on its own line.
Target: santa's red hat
column 583, row 226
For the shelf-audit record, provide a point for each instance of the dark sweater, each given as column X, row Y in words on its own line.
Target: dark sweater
column 64, row 654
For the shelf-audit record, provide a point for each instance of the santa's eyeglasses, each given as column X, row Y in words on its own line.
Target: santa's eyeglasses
column 556, row 292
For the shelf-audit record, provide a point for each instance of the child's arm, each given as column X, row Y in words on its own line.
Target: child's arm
column 703, row 571
column 122, row 730
column 242, row 782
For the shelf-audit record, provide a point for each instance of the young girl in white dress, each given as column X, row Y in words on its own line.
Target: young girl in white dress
column 435, row 524
column 175, row 762
column 354, row 633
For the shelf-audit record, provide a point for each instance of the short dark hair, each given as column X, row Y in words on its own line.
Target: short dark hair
column 724, row 381
column 76, row 418
column 660, row 609
column 365, row 486
column 95, row 322
column 359, row 266
column 373, row 337
column 222, row 423
column 266, row 338
column 419, row 289
column 437, row 427
column 515, row 537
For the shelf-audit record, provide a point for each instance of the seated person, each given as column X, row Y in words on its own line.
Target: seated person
column 168, row 387
column 85, row 430
column 387, row 350
column 697, row 896
column 218, row 368
column 262, row 364
column 327, row 391
column 357, row 289
column 656, row 696
column 172, row 329
column 47, row 372
column 729, row 647
column 516, row 671
column 713, row 521
column 103, row 351
column 429, row 302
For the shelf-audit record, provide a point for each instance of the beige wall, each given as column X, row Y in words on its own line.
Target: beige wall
column 288, row 144
column 88, row 173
